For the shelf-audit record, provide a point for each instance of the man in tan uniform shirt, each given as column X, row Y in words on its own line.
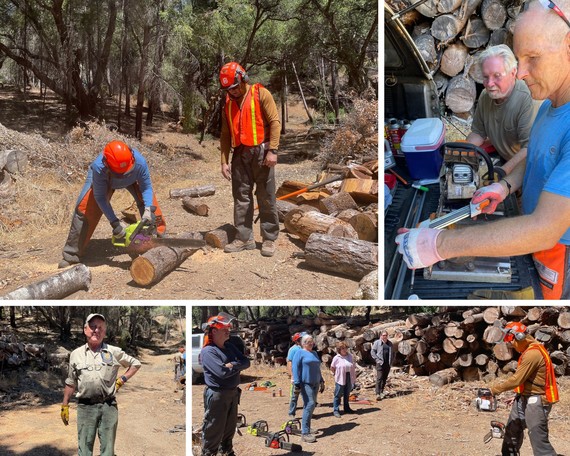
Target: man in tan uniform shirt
column 94, row 373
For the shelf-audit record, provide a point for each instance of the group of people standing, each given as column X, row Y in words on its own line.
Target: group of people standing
column 304, row 366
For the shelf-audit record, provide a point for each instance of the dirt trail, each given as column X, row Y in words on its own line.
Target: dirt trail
column 415, row 419
column 150, row 409
column 209, row 273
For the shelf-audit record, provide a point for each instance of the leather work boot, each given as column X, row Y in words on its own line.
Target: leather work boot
column 268, row 248
column 65, row 263
column 308, row 438
column 238, row 245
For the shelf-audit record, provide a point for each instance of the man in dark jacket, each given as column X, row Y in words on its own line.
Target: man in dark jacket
column 222, row 362
column 383, row 354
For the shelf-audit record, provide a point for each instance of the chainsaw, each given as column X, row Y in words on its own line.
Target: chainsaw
column 281, row 440
column 292, row 426
column 485, row 400
column 259, row 429
column 141, row 237
column 241, row 422
column 497, row 431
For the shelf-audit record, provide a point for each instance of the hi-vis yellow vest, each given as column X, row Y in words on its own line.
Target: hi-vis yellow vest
column 550, row 388
column 246, row 124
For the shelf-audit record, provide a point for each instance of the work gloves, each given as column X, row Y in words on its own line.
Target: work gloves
column 119, row 229
column 322, row 387
column 148, row 217
column 120, row 382
column 495, row 193
column 418, row 247
column 65, row 414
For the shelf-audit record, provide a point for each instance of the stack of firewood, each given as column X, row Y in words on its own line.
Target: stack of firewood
column 449, row 345
column 14, row 354
column 450, row 35
column 338, row 222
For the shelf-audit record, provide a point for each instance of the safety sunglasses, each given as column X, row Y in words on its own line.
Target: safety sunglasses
column 551, row 5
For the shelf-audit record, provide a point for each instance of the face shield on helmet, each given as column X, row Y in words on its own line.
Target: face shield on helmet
column 222, row 320
column 118, row 157
column 232, row 75
column 514, row 331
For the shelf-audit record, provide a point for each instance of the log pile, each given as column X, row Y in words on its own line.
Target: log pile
column 14, row 354
column 453, row 344
column 450, row 34
column 337, row 222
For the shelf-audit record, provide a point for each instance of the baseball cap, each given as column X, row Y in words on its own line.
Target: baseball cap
column 91, row 316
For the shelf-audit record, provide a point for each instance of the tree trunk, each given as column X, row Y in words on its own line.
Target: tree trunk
column 336, row 203
column 301, row 93
column 193, row 192
column 444, row 377
column 303, row 224
column 350, row 257
column 142, row 80
column 56, row 287
column 366, row 225
column 195, row 206
column 221, row 236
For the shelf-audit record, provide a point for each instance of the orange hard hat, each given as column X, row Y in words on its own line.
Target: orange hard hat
column 514, row 331
column 118, row 157
column 231, row 75
column 222, row 320
column 295, row 337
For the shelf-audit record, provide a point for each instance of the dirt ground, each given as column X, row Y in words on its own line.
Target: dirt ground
column 152, row 416
column 209, row 273
column 414, row 419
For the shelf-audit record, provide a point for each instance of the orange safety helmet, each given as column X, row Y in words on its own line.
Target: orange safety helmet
column 118, row 157
column 514, row 331
column 295, row 337
column 231, row 75
column 220, row 321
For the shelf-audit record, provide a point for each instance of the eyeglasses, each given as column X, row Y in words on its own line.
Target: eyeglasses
column 551, row 5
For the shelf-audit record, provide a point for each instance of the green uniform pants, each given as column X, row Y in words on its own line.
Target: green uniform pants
column 97, row 419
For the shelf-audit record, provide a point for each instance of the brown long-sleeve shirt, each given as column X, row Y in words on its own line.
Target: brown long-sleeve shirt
column 531, row 372
column 270, row 116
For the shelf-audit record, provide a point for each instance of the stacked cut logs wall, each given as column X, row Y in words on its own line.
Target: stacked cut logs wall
column 450, row 345
column 14, row 354
column 450, row 35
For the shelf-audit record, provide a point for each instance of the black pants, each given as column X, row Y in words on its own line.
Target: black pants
column 220, row 420
column 382, row 372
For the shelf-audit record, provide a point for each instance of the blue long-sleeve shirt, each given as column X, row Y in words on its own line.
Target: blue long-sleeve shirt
column 306, row 367
column 102, row 180
column 214, row 359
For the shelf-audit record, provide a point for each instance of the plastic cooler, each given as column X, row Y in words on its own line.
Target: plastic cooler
column 421, row 145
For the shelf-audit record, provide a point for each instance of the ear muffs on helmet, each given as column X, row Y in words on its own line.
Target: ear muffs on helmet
column 232, row 74
column 514, row 331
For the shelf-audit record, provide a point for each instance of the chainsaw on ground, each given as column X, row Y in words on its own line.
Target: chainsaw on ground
column 292, row 427
column 281, row 440
column 259, row 429
column 241, row 422
column 485, row 400
column 497, row 431
column 141, row 237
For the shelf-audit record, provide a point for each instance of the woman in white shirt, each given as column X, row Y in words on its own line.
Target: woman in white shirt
column 344, row 372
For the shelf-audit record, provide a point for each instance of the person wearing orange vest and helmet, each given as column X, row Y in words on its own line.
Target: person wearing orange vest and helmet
column 535, row 384
column 251, row 128
column 222, row 362
column 118, row 166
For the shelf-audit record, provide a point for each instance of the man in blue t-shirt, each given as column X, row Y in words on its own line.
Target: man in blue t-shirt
column 294, row 392
column 118, row 166
column 541, row 42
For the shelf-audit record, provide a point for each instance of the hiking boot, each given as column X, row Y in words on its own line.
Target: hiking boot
column 308, row 438
column 238, row 245
column 268, row 248
column 65, row 263
column 378, row 397
column 336, row 414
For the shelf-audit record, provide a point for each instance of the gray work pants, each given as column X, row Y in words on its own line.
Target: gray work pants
column 248, row 171
column 531, row 413
column 97, row 419
column 220, row 420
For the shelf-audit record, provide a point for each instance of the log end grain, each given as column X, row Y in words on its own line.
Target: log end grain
column 142, row 271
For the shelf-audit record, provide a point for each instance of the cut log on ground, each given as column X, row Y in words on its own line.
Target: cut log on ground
column 284, row 206
column 58, row 286
column 351, row 257
column 193, row 192
column 154, row 265
column 303, row 224
column 221, row 236
column 366, row 225
column 195, row 206
column 444, row 377
column 337, row 203
column 368, row 287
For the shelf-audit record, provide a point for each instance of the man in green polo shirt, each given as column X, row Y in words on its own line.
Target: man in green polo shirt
column 94, row 374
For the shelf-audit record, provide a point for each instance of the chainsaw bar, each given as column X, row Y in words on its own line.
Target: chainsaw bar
column 171, row 242
column 455, row 216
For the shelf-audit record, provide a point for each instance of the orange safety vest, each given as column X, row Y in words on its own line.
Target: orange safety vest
column 550, row 388
column 246, row 124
